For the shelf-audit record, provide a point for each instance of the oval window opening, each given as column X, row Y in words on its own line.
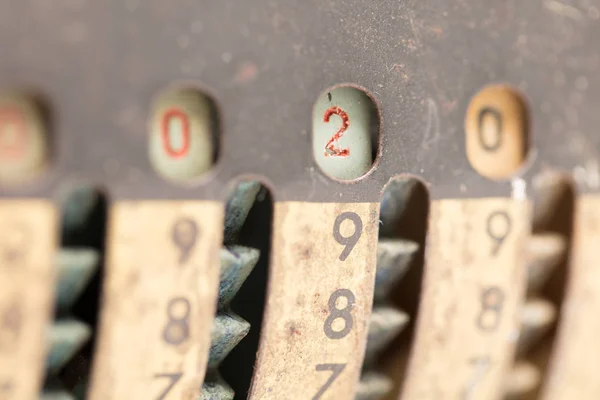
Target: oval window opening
column 345, row 132
column 496, row 129
column 184, row 133
column 24, row 138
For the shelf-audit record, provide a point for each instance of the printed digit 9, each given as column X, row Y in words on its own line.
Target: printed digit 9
column 348, row 241
column 498, row 227
column 184, row 236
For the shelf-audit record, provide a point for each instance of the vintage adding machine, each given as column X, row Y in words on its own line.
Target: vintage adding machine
column 299, row 199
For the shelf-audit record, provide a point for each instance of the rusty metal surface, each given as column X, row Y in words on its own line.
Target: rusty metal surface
column 99, row 64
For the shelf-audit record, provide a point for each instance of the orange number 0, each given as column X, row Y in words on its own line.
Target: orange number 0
column 185, row 131
column 12, row 145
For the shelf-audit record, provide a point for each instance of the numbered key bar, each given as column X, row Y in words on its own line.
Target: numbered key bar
column 28, row 238
column 27, row 245
column 473, row 292
column 319, row 301
column 160, row 292
column 572, row 373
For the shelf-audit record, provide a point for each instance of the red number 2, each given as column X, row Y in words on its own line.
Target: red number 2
column 13, row 133
column 332, row 148
column 185, row 132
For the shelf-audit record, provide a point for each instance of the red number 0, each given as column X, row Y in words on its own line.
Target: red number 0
column 185, row 131
column 12, row 145
column 330, row 148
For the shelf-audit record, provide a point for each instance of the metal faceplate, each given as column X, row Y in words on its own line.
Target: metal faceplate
column 99, row 65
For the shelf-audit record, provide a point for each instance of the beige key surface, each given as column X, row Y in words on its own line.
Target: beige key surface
column 473, row 291
column 319, row 301
column 159, row 300
column 28, row 237
column 573, row 370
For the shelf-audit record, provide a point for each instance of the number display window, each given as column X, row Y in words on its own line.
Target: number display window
column 24, row 143
column 345, row 133
column 496, row 130
column 183, row 142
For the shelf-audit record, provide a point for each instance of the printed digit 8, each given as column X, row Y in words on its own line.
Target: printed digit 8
column 343, row 314
column 177, row 329
column 490, row 314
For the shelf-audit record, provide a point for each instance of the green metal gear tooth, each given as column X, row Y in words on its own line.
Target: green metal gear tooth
column 75, row 269
column 77, row 205
column 228, row 328
column 78, row 375
column 57, row 395
column 385, row 324
column 394, row 203
column 238, row 207
column 373, row 386
column 550, row 189
column 545, row 252
column 538, row 315
column 236, row 264
column 215, row 388
column 394, row 257
column 54, row 390
column 66, row 337
column 522, row 381
column 80, row 389
column 227, row 332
